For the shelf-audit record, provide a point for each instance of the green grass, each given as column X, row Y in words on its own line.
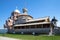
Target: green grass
column 31, row 37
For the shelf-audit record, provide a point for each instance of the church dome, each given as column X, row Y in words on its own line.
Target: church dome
column 24, row 10
column 17, row 11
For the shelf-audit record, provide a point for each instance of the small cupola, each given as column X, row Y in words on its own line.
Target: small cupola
column 25, row 11
column 16, row 10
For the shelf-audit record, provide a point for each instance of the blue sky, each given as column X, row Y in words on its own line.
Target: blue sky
column 36, row 8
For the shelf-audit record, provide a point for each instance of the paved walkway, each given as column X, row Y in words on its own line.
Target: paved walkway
column 7, row 38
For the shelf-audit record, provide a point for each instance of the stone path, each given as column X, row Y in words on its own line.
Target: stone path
column 7, row 38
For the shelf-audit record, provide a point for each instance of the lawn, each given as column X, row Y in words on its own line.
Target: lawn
column 31, row 37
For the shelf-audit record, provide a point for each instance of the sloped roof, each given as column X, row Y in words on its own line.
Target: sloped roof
column 31, row 24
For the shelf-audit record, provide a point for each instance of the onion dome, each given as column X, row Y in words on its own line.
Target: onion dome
column 17, row 11
column 24, row 11
column 54, row 19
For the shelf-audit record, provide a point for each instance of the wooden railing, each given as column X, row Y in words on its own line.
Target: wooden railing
column 37, row 30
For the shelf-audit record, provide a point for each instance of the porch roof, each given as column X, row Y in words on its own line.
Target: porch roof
column 31, row 24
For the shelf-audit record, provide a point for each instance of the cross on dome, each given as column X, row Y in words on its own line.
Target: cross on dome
column 16, row 7
column 24, row 10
